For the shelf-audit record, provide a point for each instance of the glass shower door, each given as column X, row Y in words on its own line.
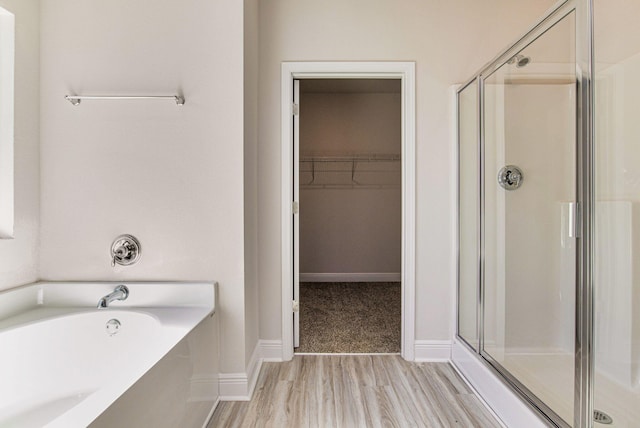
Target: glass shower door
column 529, row 195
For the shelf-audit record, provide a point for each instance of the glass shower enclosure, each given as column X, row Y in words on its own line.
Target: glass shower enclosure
column 548, row 194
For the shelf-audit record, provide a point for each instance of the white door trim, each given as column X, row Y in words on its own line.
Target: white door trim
column 405, row 71
column 296, row 218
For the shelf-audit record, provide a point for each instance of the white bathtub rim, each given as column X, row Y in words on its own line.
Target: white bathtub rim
column 43, row 314
column 141, row 293
column 87, row 293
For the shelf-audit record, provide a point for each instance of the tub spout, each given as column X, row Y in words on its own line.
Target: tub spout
column 121, row 292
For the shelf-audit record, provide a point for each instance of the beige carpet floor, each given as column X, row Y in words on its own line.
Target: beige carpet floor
column 350, row 317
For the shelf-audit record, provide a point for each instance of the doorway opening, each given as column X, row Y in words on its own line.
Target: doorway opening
column 329, row 169
column 348, row 179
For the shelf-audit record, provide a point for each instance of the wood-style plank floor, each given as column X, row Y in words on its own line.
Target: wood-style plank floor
column 356, row 391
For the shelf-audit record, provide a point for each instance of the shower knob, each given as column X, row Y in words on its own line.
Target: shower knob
column 510, row 177
column 125, row 250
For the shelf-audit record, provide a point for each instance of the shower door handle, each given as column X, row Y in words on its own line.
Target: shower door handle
column 574, row 220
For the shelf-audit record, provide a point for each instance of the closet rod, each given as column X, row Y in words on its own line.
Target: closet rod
column 75, row 99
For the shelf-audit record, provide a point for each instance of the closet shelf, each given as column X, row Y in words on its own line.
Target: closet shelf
column 354, row 158
column 365, row 171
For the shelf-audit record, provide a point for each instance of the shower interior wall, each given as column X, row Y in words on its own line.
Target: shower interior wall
column 618, row 221
column 529, row 309
column 616, row 388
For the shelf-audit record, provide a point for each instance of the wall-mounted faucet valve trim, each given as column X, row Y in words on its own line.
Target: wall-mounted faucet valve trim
column 125, row 250
column 510, row 177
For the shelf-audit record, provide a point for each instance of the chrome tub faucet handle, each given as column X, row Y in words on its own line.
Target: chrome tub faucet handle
column 125, row 250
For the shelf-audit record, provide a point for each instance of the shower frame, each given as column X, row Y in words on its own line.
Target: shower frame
column 584, row 366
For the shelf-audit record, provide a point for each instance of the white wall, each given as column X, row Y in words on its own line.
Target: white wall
column 448, row 41
column 19, row 256
column 172, row 176
column 250, row 175
column 350, row 229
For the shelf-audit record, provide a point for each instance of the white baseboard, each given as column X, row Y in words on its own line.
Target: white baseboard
column 271, row 350
column 255, row 364
column 351, row 277
column 234, row 387
column 240, row 386
column 504, row 402
column 432, row 350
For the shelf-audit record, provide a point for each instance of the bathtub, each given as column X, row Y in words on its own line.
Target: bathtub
column 64, row 363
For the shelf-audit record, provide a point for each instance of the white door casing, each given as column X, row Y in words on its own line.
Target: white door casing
column 296, row 212
column 291, row 71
